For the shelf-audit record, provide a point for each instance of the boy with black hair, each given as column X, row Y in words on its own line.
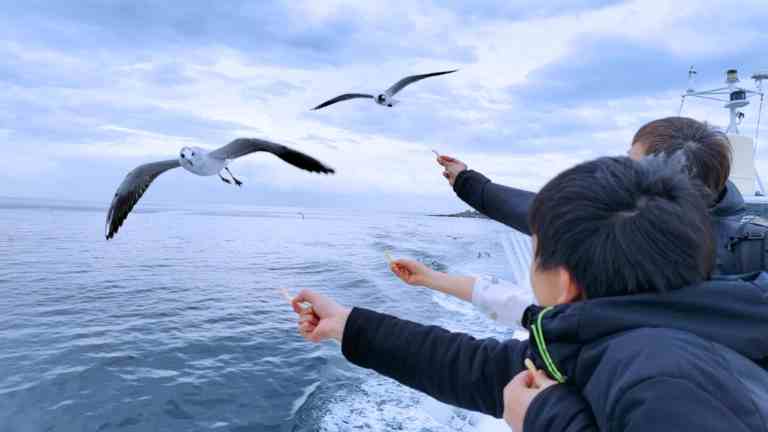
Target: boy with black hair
column 626, row 324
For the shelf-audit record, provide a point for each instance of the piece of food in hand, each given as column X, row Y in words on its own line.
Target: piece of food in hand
column 531, row 367
column 305, row 306
column 389, row 257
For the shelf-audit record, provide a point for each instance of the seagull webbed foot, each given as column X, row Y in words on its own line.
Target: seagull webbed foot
column 224, row 180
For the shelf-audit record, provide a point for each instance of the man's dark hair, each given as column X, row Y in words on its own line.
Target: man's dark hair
column 707, row 151
column 623, row 227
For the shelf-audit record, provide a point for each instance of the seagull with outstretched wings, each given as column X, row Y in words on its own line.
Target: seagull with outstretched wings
column 386, row 98
column 203, row 163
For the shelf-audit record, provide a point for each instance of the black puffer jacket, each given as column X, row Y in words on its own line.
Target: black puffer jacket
column 727, row 215
column 690, row 359
column 501, row 203
column 510, row 206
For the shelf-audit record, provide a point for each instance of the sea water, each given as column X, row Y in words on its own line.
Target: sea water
column 178, row 324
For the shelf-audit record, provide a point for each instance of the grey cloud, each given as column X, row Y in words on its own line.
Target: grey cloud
column 266, row 31
column 520, row 10
column 263, row 92
column 611, row 68
column 79, row 123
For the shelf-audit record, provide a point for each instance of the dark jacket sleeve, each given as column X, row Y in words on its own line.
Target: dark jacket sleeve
column 454, row 368
column 504, row 204
column 559, row 408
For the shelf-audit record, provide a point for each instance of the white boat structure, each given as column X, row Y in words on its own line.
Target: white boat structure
column 744, row 171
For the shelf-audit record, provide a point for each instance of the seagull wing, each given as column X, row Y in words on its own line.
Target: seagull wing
column 130, row 191
column 412, row 79
column 343, row 97
column 243, row 146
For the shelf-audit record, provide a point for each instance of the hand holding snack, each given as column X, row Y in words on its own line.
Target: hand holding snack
column 451, row 167
column 322, row 319
column 521, row 391
column 412, row 272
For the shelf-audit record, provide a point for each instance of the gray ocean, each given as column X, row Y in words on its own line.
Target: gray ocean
column 178, row 324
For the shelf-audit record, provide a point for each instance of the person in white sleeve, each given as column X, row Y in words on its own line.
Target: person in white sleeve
column 502, row 301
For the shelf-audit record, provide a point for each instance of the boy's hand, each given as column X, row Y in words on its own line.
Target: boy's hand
column 324, row 319
column 519, row 394
column 451, row 167
column 412, row 272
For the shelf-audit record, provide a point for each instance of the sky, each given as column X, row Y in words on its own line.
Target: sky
column 91, row 89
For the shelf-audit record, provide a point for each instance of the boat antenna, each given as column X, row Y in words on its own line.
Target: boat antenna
column 759, row 77
column 735, row 98
column 691, row 81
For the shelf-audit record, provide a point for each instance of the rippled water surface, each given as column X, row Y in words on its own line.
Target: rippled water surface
column 178, row 324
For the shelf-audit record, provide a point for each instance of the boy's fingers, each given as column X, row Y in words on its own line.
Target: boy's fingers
column 315, row 335
column 308, row 319
column 530, row 380
column 302, row 308
column 307, row 296
column 297, row 307
column 541, row 380
column 304, row 295
column 295, row 304
column 537, row 377
column 519, row 381
column 402, row 263
column 398, row 267
column 306, row 313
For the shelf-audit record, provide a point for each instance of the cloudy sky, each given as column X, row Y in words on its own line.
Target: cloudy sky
column 89, row 89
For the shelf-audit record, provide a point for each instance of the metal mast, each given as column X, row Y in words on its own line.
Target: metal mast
column 735, row 98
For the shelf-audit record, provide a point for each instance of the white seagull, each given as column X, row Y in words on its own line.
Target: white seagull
column 203, row 163
column 383, row 99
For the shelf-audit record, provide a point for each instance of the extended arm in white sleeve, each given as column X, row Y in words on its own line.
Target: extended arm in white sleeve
column 502, row 301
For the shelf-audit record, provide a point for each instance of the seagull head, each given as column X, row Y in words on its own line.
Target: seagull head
column 187, row 156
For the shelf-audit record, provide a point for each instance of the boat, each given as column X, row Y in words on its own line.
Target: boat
column 744, row 172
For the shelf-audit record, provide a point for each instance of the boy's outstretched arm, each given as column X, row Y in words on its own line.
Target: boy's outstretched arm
column 501, row 203
column 451, row 367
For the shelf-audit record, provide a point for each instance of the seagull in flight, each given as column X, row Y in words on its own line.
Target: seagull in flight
column 203, row 163
column 383, row 99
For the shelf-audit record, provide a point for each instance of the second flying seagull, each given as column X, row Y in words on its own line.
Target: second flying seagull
column 383, row 99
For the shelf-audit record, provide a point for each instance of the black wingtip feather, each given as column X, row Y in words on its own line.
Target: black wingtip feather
column 303, row 161
column 322, row 105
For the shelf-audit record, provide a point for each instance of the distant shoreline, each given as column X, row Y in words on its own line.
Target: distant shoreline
column 471, row 214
